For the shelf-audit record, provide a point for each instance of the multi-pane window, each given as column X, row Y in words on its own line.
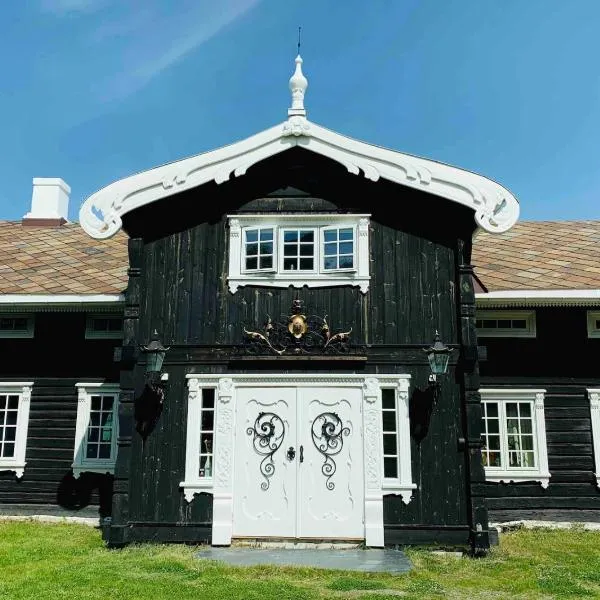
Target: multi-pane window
column 96, row 429
column 298, row 249
column 207, row 424
column 15, row 398
column 513, row 435
column 9, row 410
column 314, row 250
column 258, row 249
column 593, row 323
column 100, row 431
column 505, row 323
column 390, row 433
column 16, row 326
column 338, row 248
column 104, row 326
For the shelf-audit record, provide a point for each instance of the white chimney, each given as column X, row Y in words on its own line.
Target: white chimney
column 49, row 202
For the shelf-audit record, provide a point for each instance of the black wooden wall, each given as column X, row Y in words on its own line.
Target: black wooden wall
column 56, row 359
column 178, row 284
column 564, row 361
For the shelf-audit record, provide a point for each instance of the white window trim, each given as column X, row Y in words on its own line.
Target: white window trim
column 276, row 277
column 592, row 317
column 221, row 486
column 28, row 333
column 594, row 396
column 81, row 464
column 17, row 462
column 540, row 473
column 90, row 334
column 528, row 315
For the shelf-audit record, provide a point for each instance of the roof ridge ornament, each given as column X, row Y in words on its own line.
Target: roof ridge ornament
column 298, row 85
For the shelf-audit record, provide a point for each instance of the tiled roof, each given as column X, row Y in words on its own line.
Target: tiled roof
column 60, row 260
column 533, row 255
column 540, row 255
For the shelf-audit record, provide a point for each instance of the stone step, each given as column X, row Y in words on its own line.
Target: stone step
column 294, row 544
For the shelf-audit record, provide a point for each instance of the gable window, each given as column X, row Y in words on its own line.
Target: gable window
column 593, row 323
column 16, row 326
column 104, row 327
column 514, row 435
column 15, row 398
column 96, row 430
column 315, row 250
column 502, row 323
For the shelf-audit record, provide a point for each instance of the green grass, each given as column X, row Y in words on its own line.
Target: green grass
column 60, row 561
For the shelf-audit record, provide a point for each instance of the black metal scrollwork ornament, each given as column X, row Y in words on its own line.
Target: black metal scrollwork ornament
column 268, row 432
column 328, row 437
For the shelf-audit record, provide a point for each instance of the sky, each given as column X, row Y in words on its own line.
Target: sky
column 95, row 90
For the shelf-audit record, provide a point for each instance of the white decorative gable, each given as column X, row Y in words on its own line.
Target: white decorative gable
column 496, row 209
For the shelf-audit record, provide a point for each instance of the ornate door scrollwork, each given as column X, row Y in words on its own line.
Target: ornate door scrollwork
column 328, row 435
column 268, row 432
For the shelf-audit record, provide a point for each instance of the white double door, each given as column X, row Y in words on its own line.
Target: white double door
column 298, row 465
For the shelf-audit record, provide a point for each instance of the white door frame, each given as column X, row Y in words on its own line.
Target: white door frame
column 221, row 484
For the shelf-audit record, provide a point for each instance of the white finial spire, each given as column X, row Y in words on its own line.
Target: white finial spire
column 298, row 85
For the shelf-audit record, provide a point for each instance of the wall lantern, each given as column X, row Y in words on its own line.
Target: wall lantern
column 438, row 356
column 155, row 355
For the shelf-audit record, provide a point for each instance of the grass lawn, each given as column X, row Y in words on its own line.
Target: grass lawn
column 56, row 561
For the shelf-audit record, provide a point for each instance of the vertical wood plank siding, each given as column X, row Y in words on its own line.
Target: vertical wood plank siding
column 184, row 294
column 564, row 361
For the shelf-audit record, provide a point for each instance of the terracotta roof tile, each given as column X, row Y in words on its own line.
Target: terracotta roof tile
column 541, row 255
column 60, row 260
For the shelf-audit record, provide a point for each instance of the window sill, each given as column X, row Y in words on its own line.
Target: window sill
column 299, row 279
column 517, row 477
column 190, row 488
column 108, row 469
column 18, row 468
column 397, row 489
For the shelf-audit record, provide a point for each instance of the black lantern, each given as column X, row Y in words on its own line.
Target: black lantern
column 155, row 355
column 438, row 356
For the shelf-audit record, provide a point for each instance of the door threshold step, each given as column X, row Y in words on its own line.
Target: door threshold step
column 288, row 544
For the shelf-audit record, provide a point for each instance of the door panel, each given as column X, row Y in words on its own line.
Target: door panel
column 264, row 479
column 331, row 475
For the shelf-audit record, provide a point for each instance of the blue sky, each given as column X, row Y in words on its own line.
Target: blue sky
column 95, row 90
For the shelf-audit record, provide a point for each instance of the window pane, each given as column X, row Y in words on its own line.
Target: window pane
column 526, row 425
column 389, row 420
column 346, row 262
column 13, row 402
column 526, row 442
column 489, row 324
column 251, row 263
column 3, row 401
column 525, row 409
column 206, row 443
column 346, row 234
column 330, row 235
column 252, row 235
column 330, row 263
column 266, row 248
column 289, row 264
column 512, row 426
column 493, row 425
column 107, row 434
column 96, row 402
column 493, row 442
column 9, row 450
column 529, row 459
column 104, row 451
column 330, row 249
column 251, row 249
column 346, row 248
column 389, row 444
column 504, row 323
column 11, row 417
column 388, row 398
column 306, row 250
column 92, row 451
column 208, row 397
column 10, row 434
column 390, row 467
column 95, row 418
column 491, row 409
column 266, row 235
column 93, row 434
column 307, row 236
column 290, row 250
column 511, row 409
column 306, row 264
column 519, row 324
column 266, row 262
column 290, row 236
column 107, row 403
column 106, row 418
column 207, row 419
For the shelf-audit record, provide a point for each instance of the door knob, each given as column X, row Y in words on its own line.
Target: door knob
column 301, row 453
column 291, row 453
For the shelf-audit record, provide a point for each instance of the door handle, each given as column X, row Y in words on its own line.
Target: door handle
column 291, row 453
column 301, row 453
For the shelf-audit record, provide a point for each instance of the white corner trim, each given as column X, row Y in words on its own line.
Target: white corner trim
column 508, row 298
column 81, row 464
column 17, row 462
column 496, row 209
column 594, row 396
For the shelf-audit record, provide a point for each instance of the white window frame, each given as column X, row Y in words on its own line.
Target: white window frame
column 22, row 389
column 358, row 275
column 28, row 333
column 592, row 317
column 515, row 474
column 594, row 396
column 527, row 315
column 81, row 464
column 90, row 334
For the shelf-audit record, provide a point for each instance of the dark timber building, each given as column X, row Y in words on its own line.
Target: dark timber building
column 292, row 284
